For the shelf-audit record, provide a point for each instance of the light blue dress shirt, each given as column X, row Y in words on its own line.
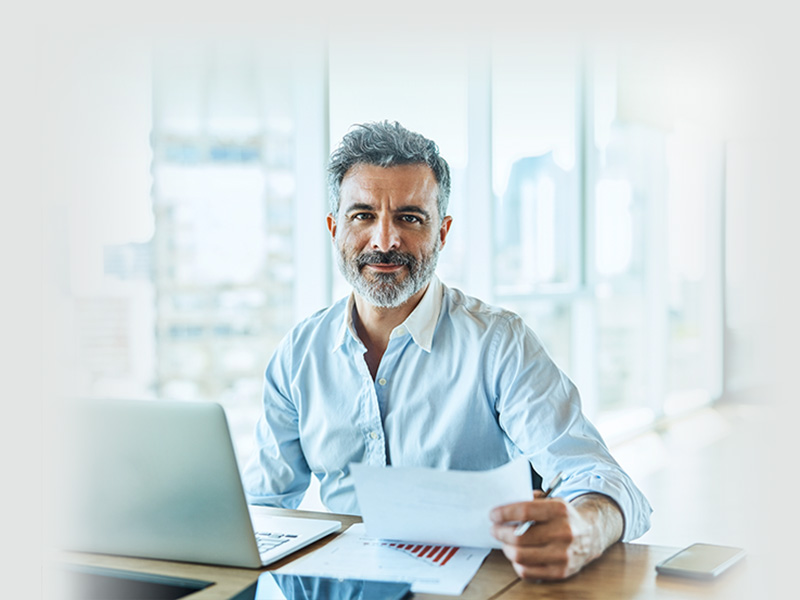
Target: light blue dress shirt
column 462, row 385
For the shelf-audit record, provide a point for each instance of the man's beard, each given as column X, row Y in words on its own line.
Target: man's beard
column 387, row 290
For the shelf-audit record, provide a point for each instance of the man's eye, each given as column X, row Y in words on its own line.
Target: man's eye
column 362, row 216
column 411, row 219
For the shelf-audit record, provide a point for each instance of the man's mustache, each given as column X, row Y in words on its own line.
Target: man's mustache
column 393, row 257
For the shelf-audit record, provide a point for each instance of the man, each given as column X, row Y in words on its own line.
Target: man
column 406, row 371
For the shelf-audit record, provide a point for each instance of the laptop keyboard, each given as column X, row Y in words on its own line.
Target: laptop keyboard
column 268, row 541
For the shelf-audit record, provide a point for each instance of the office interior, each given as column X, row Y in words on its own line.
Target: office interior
column 600, row 189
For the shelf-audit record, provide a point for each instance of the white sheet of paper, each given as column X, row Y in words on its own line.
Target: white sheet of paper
column 429, row 569
column 437, row 506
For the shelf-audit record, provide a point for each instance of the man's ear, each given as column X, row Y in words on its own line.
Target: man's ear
column 444, row 229
column 331, row 225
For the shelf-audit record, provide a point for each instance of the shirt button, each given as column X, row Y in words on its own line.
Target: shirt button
column 382, row 381
column 373, row 435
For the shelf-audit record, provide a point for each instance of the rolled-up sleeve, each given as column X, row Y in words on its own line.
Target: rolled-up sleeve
column 539, row 408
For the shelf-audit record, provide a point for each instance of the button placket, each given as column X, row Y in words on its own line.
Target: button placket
column 370, row 420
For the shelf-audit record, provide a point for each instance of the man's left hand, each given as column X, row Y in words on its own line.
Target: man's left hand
column 565, row 536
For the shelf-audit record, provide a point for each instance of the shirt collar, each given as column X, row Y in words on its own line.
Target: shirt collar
column 420, row 324
column 347, row 324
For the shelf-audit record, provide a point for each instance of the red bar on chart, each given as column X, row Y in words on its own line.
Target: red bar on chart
column 442, row 552
column 449, row 556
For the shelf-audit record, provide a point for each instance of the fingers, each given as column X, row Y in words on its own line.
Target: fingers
column 542, row 533
column 537, row 510
column 558, row 544
column 543, row 551
column 549, row 572
column 535, row 563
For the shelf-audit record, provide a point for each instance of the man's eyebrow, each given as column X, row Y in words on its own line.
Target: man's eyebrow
column 412, row 208
column 359, row 206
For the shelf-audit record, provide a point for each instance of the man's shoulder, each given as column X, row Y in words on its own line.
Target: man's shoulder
column 326, row 321
column 459, row 304
column 333, row 312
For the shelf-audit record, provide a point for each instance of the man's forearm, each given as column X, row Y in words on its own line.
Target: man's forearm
column 605, row 517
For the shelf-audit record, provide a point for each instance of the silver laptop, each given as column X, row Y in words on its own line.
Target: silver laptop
column 159, row 479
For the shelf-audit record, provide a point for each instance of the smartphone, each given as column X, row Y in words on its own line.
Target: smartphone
column 285, row 586
column 701, row 561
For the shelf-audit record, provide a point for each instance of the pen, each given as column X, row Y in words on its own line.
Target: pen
column 523, row 527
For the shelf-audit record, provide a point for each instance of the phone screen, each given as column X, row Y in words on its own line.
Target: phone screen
column 284, row 586
column 701, row 560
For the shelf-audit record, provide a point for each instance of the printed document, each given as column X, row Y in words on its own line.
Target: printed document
column 436, row 506
column 429, row 568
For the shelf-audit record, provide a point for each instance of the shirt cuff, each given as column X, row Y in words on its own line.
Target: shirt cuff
column 634, row 506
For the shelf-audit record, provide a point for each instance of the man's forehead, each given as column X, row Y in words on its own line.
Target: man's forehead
column 417, row 171
column 407, row 180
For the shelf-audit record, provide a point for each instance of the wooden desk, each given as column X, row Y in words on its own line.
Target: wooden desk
column 624, row 571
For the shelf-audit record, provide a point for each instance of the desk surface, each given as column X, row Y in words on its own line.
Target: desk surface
column 624, row 571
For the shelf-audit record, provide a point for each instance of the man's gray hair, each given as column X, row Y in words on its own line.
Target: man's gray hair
column 386, row 144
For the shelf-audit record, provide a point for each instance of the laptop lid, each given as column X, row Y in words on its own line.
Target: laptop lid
column 155, row 479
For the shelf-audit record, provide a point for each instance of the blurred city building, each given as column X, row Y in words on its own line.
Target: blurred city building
column 603, row 219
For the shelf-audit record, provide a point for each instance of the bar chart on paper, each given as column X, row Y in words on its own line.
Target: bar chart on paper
column 429, row 568
column 432, row 555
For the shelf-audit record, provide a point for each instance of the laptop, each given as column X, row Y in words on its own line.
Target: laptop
column 159, row 479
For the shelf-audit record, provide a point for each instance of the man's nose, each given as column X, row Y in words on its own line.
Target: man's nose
column 385, row 235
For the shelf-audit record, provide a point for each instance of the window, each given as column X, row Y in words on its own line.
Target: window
column 599, row 221
column 535, row 181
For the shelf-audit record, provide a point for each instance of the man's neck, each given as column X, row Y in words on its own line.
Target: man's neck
column 375, row 324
